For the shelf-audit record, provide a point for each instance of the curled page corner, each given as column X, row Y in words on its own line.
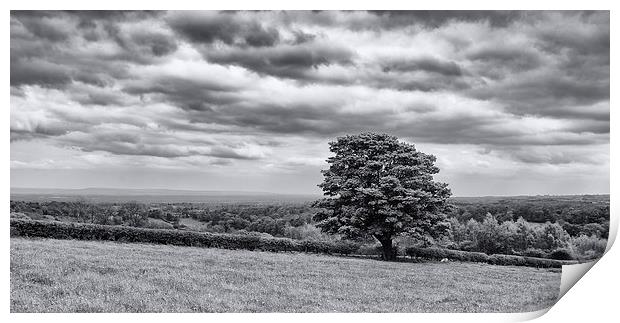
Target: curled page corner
column 571, row 274
column 528, row 316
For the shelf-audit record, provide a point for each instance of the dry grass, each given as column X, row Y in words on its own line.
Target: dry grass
column 89, row 276
column 193, row 224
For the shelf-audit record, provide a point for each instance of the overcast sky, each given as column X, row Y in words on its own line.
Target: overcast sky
column 509, row 102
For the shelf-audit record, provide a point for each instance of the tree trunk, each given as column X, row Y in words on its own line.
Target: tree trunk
column 388, row 250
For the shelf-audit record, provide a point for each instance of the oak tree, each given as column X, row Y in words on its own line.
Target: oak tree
column 382, row 187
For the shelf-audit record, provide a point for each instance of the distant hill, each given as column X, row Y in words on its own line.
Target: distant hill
column 587, row 198
column 97, row 194
column 122, row 191
column 152, row 195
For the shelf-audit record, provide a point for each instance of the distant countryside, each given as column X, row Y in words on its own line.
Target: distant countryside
column 555, row 227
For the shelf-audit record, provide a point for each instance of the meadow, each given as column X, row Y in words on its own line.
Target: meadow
column 50, row 275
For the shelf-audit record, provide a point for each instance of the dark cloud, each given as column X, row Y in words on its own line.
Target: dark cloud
column 114, row 15
column 396, row 19
column 46, row 50
column 49, row 28
column 402, row 80
column 591, row 35
column 547, row 94
column 120, row 143
column 289, row 61
column 255, row 45
column 228, row 153
column 59, row 25
column 105, row 97
column 588, row 125
column 95, row 78
column 498, row 62
column 303, row 37
column 131, row 149
column 186, row 93
column 219, row 26
column 427, row 64
column 209, row 27
column 437, row 18
column 40, row 72
column 537, row 157
column 298, row 120
column 157, row 44
column 260, row 37
column 58, row 73
column 135, row 142
column 39, row 131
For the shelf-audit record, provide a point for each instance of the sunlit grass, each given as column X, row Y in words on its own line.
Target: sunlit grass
column 89, row 276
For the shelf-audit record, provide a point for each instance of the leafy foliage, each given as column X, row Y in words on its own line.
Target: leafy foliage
column 581, row 214
column 508, row 237
column 588, row 247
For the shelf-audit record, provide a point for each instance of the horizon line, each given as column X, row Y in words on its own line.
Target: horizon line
column 268, row 192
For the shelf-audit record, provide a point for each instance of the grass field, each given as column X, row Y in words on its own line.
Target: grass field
column 91, row 276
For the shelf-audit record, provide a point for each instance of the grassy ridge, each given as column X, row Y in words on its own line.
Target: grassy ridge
column 101, row 276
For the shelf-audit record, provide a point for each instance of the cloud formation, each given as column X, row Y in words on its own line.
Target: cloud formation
column 266, row 90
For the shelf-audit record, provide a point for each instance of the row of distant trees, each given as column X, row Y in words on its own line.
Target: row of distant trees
column 538, row 210
column 278, row 219
column 131, row 214
column 522, row 238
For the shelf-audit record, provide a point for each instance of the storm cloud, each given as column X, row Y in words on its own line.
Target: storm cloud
column 264, row 91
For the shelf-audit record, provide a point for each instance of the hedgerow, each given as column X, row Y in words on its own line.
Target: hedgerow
column 496, row 259
column 562, row 254
column 82, row 231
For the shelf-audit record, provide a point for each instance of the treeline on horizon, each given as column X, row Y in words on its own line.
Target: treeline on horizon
column 548, row 227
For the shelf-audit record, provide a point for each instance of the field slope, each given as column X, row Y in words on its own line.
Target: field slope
column 90, row 276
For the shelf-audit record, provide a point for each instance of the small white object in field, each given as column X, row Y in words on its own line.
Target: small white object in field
column 444, row 260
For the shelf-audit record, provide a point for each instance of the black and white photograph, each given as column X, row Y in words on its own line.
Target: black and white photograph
column 294, row 161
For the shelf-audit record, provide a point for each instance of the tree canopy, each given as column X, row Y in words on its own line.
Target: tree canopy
column 379, row 186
